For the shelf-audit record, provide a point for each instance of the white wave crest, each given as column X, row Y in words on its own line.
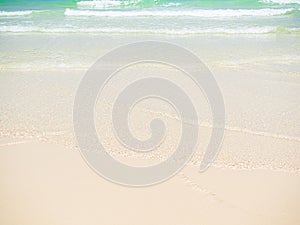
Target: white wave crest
column 104, row 4
column 247, row 30
column 175, row 13
column 281, row 2
column 15, row 13
column 97, row 4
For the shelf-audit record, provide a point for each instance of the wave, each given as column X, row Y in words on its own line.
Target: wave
column 15, row 13
column 106, row 4
column 98, row 4
column 249, row 30
column 175, row 13
column 117, row 4
column 281, row 2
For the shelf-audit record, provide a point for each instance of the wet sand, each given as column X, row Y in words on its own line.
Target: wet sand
column 254, row 179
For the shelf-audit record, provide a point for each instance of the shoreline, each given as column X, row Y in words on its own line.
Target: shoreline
column 255, row 178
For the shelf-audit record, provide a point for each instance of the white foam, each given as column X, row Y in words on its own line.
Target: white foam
column 282, row 2
column 172, row 4
column 104, row 4
column 249, row 30
column 176, row 13
column 246, row 30
column 15, row 13
column 97, row 4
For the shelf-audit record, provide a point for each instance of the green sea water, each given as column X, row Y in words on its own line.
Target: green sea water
column 10, row 4
column 174, row 17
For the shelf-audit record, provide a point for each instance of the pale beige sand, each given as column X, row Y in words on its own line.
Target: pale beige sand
column 47, row 184
column 254, row 180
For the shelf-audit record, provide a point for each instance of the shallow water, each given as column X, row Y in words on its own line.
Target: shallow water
column 259, row 77
column 151, row 17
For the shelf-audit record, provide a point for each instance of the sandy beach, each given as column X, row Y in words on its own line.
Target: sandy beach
column 254, row 180
column 48, row 184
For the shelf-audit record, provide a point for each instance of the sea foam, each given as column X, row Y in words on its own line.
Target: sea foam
column 184, row 31
column 281, row 2
column 176, row 13
column 15, row 13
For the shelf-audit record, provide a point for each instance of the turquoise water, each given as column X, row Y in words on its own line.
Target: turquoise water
column 150, row 16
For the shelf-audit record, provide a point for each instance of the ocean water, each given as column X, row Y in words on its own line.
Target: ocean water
column 171, row 17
